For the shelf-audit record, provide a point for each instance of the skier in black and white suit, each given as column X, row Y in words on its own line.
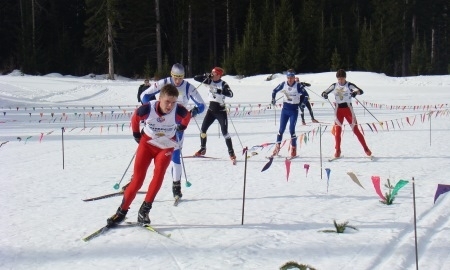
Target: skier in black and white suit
column 219, row 90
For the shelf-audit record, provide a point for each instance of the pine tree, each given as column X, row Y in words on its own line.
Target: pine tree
column 336, row 62
column 100, row 34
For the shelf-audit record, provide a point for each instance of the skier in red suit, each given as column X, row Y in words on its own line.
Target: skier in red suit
column 343, row 92
column 157, row 141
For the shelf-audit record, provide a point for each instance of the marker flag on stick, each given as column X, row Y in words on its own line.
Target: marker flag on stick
column 398, row 186
column 328, row 176
column 376, row 185
column 306, row 167
column 287, row 162
column 267, row 164
column 441, row 189
column 354, row 178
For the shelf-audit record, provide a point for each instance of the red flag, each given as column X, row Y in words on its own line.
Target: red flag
column 306, row 167
column 376, row 185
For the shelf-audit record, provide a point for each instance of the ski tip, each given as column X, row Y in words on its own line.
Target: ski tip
column 334, row 158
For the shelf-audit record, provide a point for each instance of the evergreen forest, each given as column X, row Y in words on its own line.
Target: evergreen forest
column 143, row 38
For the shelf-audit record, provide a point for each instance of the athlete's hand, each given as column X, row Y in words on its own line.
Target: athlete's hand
column 137, row 136
column 194, row 111
column 181, row 127
column 305, row 84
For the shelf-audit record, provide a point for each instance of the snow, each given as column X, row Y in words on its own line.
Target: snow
column 45, row 174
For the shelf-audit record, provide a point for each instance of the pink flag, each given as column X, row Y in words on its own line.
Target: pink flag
column 376, row 185
column 40, row 138
column 306, row 167
column 287, row 162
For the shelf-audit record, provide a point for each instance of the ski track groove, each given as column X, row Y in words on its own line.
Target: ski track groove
column 428, row 225
column 177, row 222
column 439, row 255
column 170, row 252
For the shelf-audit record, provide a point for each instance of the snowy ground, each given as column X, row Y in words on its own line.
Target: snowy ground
column 46, row 173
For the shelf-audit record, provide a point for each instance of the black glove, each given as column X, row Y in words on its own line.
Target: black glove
column 137, row 136
column 208, row 75
column 219, row 91
column 194, row 111
column 305, row 84
column 181, row 127
column 325, row 95
column 354, row 93
column 273, row 101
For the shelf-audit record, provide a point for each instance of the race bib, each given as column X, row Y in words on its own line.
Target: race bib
column 163, row 142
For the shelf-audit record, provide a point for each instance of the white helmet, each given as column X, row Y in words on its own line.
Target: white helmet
column 177, row 71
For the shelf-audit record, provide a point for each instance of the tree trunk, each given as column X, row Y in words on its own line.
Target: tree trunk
column 33, row 35
column 158, row 38
column 22, row 23
column 228, row 30
column 433, row 46
column 189, row 45
column 110, row 51
column 214, row 35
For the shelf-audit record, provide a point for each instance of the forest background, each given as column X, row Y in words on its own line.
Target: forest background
column 143, row 38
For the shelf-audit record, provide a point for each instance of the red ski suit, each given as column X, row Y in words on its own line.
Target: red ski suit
column 147, row 152
column 344, row 110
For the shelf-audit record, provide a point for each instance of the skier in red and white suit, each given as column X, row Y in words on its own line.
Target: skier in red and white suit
column 343, row 92
column 157, row 141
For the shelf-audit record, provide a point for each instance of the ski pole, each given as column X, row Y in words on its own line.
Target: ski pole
column 201, row 83
column 367, row 110
column 275, row 109
column 197, row 124
column 309, row 90
column 231, row 120
column 330, row 103
column 117, row 185
column 245, row 181
column 188, row 184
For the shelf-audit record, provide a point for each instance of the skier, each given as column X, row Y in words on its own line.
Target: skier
column 157, row 141
column 219, row 90
column 186, row 91
column 141, row 89
column 306, row 104
column 343, row 92
column 294, row 94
